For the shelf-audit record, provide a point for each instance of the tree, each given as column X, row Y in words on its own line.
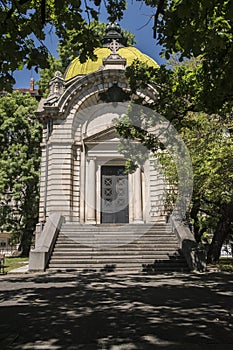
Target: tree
column 22, row 42
column 210, row 144
column 198, row 28
column 201, row 28
column 208, row 137
column 20, row 136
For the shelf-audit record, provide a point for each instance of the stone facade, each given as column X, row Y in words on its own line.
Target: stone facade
column 79, row 140
column 93, row 215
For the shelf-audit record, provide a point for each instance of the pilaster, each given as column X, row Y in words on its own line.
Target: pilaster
column 138, row 210
column 91, row 191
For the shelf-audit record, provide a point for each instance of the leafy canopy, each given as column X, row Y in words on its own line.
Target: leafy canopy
column 201, row 28
column 207, row 136
column 24, row 24
column 189, row 28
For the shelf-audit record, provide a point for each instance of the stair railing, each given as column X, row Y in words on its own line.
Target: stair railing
column 39, row 257
column 194, row 256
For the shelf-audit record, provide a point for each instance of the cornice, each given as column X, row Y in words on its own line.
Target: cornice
column 85, row 86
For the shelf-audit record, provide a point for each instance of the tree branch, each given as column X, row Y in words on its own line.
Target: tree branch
column 156, row 17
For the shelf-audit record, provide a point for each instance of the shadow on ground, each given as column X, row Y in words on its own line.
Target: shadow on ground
column 98, row 311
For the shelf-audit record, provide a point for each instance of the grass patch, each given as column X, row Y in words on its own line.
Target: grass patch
column 12, row 263
column 225, row 264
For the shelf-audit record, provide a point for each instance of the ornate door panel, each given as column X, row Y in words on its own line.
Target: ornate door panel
column 114, row 195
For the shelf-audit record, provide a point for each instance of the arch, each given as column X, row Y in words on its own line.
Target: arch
column 84, row 93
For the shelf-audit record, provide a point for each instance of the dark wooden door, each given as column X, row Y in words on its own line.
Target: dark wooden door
column 114, row 195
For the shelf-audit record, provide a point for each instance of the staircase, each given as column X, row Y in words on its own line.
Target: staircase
column 121, row 248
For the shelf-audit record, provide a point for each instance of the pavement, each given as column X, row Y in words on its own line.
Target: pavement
column 20, row 270
column 118, row 312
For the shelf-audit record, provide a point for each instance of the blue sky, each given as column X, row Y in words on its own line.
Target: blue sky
column 136, row 20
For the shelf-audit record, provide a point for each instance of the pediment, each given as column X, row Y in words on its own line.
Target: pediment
column 103, row 136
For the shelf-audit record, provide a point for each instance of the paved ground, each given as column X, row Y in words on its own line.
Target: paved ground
column 99, row 311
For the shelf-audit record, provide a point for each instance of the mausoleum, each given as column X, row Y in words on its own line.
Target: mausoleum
column 93, row 215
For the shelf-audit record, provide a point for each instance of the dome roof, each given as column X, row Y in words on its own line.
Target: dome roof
column 130, row 53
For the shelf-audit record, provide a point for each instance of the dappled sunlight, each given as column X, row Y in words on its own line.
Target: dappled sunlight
column 101, row 311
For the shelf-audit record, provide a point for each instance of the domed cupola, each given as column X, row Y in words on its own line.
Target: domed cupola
column 114, row 51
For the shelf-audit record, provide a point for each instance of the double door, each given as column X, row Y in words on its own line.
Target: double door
column 114, row 195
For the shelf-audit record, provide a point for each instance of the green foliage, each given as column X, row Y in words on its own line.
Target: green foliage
column 24, row 25
column 20, row 135
column 47, row 74
column 225, row 264
column 210, row 144
column 208, row 138
column 201, row 28
column 211, row 147
column 134, row 126
column 171, row 177
column 116, row 9
column 190, row 29
column 178, row 88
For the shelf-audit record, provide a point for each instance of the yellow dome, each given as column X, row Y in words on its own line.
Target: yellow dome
column 130, row 53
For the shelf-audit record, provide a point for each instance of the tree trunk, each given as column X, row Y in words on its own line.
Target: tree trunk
column 26, row 241
column 219, row 237
column 194, row 215
column 221, row 233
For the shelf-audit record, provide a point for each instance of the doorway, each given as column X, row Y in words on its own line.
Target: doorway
column 114, row 195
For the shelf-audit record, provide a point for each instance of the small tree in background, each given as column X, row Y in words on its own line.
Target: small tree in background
column 20, row 136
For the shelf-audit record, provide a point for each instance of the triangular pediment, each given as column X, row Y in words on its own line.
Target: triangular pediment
column 106, row 135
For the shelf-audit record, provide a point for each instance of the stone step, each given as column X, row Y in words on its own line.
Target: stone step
column 116, row 234
column 113, row 249
column 123, row 248
column 130, row 258
column 97, row 264
column 136, row 242
column 111, row 235
column 116, row 238
column 113, row 246
column 129, row 267
column 117, row 226
column 132, row 248
column 162, row 255
column 104, row 258
column 107, row 261
column 119, row 232
column 123, row 258
column 134, row 228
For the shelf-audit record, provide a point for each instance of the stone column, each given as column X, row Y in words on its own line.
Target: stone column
column 91, row 191
column 138, row 215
